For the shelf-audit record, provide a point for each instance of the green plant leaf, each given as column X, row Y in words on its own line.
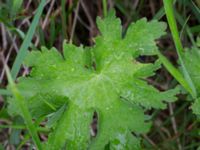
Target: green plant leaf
column 111, row 86
column 196, row 106
column 143, row 34
column 191, row 58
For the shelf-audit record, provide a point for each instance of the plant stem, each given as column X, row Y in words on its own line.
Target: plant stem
column 175, row 72
column 23, row 127
column 24, row 112
column 105, row 8
column 168, row 5
column 63, row 16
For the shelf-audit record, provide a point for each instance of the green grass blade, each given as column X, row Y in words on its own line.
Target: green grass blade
column 175, row 73
column 195, row 9
column 16, row 5
column 23, row 127
column 105, row 8
column 172, row 24
column 64, row 20
column 121, row 8
column 184, row 25
column 159, row 14
column 24, row 110
column 168, row 5
column 26, row 43
column 21, row 34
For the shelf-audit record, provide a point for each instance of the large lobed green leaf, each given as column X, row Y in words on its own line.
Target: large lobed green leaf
column 105, row 79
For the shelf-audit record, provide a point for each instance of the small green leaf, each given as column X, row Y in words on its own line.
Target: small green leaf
column 143, row 34
column 196, row 106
